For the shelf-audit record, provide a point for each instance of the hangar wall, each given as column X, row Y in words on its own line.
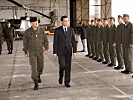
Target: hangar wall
column 9, row 10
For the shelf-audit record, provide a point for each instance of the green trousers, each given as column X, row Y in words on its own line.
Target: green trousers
column 112, row 53
column 37, row 64
column 100, row 51
column 106, row 52
column 119, row 52
column 128, row 57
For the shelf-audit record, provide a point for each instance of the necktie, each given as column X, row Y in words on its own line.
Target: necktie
column 65, row 30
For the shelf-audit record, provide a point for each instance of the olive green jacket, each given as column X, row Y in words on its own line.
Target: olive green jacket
column 35, row 41
column 112, row 32
column 127, row 34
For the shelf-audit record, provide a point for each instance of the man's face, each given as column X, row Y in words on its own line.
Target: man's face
column 65, row 22
column 99, row 23
column 120, row 20
column 105, row 22
column 92, row 23
column 112, row 22
column 35, row 24
column 126, row 19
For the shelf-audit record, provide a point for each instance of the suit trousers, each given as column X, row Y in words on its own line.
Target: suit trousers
column 65, row 66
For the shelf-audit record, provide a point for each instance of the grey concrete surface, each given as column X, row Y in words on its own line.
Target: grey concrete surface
column 90, row 80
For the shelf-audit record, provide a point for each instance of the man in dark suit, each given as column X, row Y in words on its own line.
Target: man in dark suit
column 63, row 46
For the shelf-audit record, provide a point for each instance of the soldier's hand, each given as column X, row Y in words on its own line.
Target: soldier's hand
column 27, row 55
column 46, row 52
column 130, row 45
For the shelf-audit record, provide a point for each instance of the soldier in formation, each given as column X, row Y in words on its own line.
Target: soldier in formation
column 109, row 44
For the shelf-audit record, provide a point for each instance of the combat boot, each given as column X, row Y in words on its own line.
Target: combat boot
column 36, row 84
column 39, row 79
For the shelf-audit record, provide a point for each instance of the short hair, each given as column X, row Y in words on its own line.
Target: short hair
column 104, row 19
column 92, row 20
column 125, row 15
column 119, row 16
column 99, row 20
column 63, row 17
column 112, row 18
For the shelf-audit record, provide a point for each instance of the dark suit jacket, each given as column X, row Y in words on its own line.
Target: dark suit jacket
column 64, row 41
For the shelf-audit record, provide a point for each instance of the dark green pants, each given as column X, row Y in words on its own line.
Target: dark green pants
column 112, row 53
column 100, row 50
column 37, row 64
column 106, row 52
column 119, row 55
column 128, row 57
column 1, row 42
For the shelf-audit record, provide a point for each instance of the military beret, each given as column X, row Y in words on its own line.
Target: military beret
column 33, row 19
column 125, row 15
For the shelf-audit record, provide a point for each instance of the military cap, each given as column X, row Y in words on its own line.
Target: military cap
column 33, row 19
column 125, row 15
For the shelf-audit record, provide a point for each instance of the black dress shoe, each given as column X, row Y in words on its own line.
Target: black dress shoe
column 91, row 56
column 105, row 62
column 36, row 87
column 60, row 80
column 95, row 58
column 39, row 79
column 110, row 65
column 127, row 72
column 82, row 51
column 99, row 60
column 87, row 55
column 68, row 85
column 118, row 68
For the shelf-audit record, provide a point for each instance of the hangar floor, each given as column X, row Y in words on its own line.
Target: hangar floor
column 90, row 79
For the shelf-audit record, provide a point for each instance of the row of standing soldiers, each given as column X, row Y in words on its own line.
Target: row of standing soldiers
column 109, row 44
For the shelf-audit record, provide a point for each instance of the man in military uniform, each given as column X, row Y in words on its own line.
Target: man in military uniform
column 35, row 44
column 88, row 37
column 95, row 40
column 112, row 50
column 9, row 36
column 118, row 43
column 100, row 41
column 127, row 45
column 106, row 41
column 1, row 38
column 92, row 29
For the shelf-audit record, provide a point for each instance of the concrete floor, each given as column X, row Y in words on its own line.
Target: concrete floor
column 90, row 80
